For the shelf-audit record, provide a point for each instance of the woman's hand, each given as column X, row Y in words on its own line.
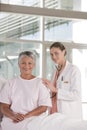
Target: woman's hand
column 48, row 84
column 18, row 117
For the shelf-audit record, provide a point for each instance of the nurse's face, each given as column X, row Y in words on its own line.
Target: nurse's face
column 26, row 65
column 57, row 55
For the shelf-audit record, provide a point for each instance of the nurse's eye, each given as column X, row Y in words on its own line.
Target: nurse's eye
column 51, row 55
column 56, row 53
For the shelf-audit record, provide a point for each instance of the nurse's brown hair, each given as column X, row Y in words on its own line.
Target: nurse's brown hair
column 58, row 45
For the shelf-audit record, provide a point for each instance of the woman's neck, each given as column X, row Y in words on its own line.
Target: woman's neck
column 28, row 77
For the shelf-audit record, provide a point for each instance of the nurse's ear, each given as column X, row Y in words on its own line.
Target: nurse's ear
column 64, row 52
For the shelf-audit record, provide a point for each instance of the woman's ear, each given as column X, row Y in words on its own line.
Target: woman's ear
column 34, row 64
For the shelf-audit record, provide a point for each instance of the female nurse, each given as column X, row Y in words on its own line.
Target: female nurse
column 65, row 85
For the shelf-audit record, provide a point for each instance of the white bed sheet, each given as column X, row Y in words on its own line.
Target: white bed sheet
column 56, row 121
column 0, row 127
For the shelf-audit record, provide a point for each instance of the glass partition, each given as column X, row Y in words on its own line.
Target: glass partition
column 33, row 3
column 73, row 5
column 30, row 27
column 79, row 58
column 20, row 26
column 58, row 29
column 80, row 31
column 59, row 4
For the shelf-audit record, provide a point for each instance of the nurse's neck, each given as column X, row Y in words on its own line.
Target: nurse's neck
column 61, row 66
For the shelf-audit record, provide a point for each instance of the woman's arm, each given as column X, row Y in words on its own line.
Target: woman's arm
column 36, row 111
column 16, row 117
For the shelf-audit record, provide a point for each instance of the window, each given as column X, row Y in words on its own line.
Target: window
column 57, row 20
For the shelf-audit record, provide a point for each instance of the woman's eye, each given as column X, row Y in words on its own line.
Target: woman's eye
column 22, row 63
column 29, row 63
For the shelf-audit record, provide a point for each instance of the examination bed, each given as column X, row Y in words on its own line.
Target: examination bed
column 55, row 121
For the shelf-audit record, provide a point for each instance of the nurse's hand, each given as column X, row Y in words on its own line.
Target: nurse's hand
column 48, row 84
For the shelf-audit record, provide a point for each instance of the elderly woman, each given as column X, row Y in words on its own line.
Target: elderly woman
column 23, row 97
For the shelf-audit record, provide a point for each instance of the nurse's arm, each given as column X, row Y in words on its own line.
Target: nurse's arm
column 49, row 85
column 68, row 95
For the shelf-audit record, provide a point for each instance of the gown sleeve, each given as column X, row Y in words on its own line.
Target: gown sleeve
column 44, row 96
column 5, row 93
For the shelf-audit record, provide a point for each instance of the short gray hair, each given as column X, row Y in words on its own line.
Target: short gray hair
column 26, row 53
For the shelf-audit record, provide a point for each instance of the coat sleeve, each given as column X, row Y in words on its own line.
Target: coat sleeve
column 73, row 92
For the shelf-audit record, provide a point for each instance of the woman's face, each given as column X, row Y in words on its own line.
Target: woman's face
column 26, row 65
column 57, row 55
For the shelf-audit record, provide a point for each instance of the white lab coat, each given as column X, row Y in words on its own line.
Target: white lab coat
column 69, row 91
